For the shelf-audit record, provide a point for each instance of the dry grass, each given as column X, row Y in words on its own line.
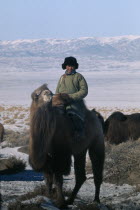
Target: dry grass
column 6, row 117
column 12, row 165
column 2, row 109
column 18, row 115
column 27, row 119
column 15, row 120
column 13, row 113
column 21, row 116
column 10, row 121
column 20, row 206
column 16, row 108
column 107, row 111
column 24, row 149
column 122, row 164
column 15, row 138
column 36, row 205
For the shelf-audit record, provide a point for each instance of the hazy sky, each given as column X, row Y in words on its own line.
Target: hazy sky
column 35, row 19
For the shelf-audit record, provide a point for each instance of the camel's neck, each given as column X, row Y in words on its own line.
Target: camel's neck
column 60, row 109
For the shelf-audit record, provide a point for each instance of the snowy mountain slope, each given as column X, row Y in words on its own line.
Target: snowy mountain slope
column 122, row 47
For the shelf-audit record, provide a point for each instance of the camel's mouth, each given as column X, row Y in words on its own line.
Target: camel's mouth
column 47, row 95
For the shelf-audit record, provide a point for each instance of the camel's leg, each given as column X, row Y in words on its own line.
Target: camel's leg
column 96, row 153
column 60, row 200
column 80, row 175
column 49, row 182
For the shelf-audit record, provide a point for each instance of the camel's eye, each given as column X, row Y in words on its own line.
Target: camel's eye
column 35, row 95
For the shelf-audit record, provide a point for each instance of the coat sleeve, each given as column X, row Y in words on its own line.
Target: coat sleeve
column 83, row 89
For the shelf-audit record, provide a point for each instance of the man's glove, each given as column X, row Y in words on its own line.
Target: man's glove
column 66, row 98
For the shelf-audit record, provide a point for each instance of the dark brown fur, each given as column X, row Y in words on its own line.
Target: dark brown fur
column 1, row 132
column 52, row 145
column 120, row 128
column 100, row 117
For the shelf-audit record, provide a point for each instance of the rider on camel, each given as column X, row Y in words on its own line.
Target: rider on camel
column 75, row 85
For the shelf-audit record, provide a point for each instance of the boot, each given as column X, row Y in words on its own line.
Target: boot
column 79, row 127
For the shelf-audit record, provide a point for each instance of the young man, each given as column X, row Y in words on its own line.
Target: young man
column 75, row 85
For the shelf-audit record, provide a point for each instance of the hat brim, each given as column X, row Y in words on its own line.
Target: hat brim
column 65, row 64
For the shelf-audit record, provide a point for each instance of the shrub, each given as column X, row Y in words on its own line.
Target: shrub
column 12, row 165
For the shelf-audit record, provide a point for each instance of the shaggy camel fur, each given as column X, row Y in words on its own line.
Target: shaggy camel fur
column 120, row 127
column 52, row 144
column 100, row 117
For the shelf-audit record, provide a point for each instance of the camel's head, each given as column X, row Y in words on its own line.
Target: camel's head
column 42, row 95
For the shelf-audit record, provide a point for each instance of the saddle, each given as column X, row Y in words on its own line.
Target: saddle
column 60, row 101
column 78, row 124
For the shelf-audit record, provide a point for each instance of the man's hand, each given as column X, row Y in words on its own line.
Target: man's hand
column 66, row 97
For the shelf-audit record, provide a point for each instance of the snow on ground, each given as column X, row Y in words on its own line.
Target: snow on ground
column 110, row 193
column 108, row 91
column 106, row 88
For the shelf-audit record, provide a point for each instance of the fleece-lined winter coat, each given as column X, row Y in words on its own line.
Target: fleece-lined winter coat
column 76, row 86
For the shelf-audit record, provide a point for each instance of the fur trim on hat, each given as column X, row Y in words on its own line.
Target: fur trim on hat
column 71, row 61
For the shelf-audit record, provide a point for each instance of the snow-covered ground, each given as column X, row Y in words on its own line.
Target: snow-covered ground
column 107, row 90
column 119, row 197
column 110, row 193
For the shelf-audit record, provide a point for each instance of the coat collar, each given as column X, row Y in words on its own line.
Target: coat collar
column 73, row 72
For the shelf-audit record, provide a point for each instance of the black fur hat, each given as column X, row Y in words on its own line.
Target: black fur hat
column 71, row 61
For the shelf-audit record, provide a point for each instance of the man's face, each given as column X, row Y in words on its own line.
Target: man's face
column 70, row 68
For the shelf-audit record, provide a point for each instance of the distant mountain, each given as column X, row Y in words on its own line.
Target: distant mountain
column 120, row 48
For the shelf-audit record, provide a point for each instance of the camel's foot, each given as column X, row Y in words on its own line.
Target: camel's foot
column 48, row 194
column 69, row 201
column 96, row 200
column 60, row 204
